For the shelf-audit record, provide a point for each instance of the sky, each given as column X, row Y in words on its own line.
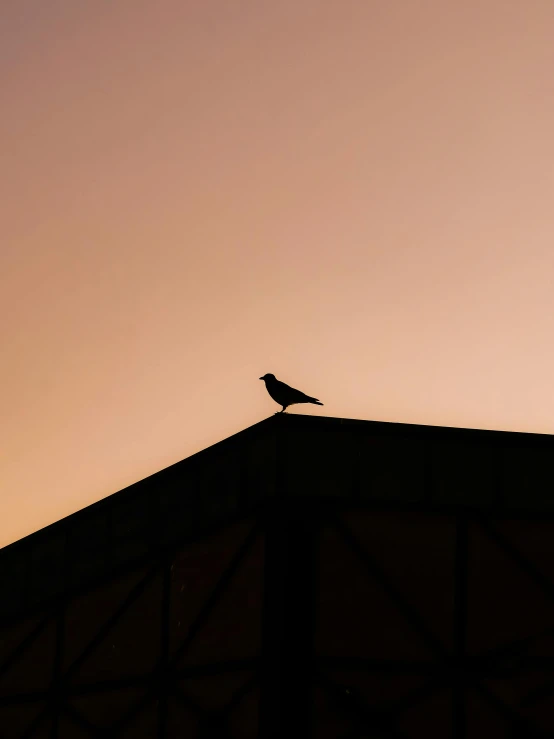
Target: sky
column 354, row 195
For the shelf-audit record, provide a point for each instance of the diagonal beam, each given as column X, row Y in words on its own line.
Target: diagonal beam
column 523, row 563
column 492, row 657
column 168, row 669
column 522, row 723
column 178, row 692
column 24, row 645
column 37, row 723
column 83, row 723
column 111, row 621
column 129, row 715
column 410, row 614
column 216, row 594
column 239, row 694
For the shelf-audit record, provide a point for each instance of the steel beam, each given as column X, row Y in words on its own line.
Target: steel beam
column 288, row 623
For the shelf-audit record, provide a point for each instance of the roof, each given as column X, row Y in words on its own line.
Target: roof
column 310, row 457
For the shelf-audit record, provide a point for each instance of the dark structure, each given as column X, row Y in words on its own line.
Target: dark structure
column 306, row 578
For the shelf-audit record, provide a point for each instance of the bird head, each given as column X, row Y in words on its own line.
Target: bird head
column 269, row 376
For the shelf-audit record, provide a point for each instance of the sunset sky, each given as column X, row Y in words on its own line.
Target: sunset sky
column 356, row 195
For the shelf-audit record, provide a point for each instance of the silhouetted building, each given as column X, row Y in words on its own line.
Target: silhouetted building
column 306, row 578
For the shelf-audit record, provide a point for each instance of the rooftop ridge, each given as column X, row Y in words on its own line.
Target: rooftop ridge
column 320, row 459
column 277, row 420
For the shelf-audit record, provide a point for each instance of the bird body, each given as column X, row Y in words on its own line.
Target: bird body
column 284, row 394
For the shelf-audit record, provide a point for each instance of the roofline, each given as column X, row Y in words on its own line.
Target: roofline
column 326, row 423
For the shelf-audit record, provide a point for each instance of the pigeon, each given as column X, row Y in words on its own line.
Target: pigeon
column 286, row 395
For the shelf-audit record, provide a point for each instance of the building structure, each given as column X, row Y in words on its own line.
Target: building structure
column 307, row 577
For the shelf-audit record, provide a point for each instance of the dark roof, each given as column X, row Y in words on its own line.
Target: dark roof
column 313, row 457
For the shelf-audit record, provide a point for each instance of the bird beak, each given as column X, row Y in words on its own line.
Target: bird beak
column 260, row 378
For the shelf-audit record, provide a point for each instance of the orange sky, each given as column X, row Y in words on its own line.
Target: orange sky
column 355, row 195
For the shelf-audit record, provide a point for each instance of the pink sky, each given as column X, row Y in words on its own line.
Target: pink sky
column 355, row 195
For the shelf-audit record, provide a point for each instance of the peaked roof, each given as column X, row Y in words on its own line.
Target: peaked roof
column 309, row 456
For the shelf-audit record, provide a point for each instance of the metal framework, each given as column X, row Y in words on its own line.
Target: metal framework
column 332, row 617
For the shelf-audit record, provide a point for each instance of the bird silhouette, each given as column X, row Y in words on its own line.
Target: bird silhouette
column 284, row 394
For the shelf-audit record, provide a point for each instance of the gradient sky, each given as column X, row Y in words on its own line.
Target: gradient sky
column 355, row 195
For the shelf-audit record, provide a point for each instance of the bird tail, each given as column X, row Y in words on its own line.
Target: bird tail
column 315, row 401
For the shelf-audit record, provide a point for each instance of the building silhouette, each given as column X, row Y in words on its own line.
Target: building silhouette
column 308, row 577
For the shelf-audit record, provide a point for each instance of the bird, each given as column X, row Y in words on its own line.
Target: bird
column 284, row 394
